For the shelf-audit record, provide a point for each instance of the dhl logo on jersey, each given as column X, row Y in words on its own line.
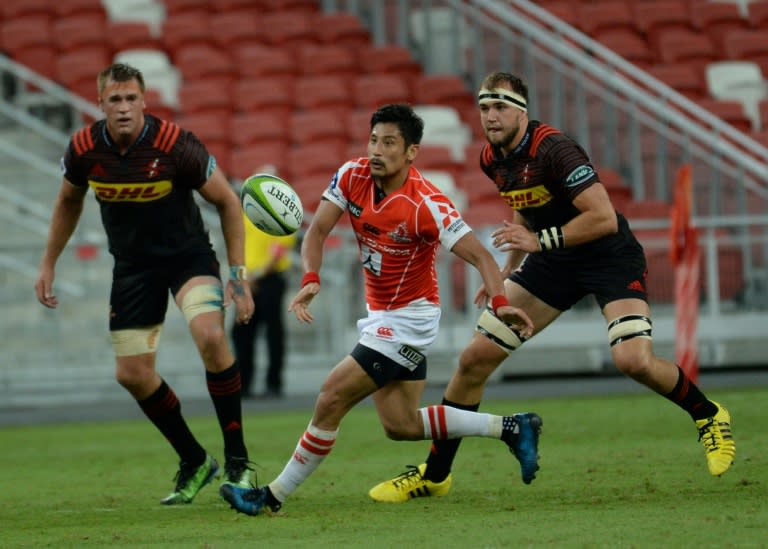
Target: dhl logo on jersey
column 131, row 192
column 527, row 198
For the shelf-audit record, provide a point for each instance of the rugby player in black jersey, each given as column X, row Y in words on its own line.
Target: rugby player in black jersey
column 565, row 241
column 144, row 172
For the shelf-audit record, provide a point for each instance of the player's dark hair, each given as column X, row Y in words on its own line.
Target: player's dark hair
column 409, row 123
column 120, row 72
column 515, row 83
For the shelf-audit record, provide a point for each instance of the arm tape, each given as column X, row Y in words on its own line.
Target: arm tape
column 494, row 329
column 551, row 239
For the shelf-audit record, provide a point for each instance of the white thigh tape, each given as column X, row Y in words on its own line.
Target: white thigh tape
column 628, row 326
column 200, row 299
column 136, row 341
column 494, row 329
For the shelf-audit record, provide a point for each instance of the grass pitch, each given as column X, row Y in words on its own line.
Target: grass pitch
column 616, row 472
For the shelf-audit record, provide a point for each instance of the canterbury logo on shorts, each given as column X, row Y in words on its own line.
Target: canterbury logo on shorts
column 131, row 192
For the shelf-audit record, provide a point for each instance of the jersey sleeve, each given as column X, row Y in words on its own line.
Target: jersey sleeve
column 570, row 166
column 338, row 189
column 437, row 218
column 71, row 168
column 195, row 164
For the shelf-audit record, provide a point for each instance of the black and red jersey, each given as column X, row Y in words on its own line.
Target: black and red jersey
column 541, row 177
column 145, row 195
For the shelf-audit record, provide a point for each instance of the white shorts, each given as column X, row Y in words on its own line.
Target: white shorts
column 395, row 334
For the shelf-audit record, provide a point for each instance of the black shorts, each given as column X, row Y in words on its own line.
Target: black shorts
column 139, row 295
column 383, row 369
column 610, row 270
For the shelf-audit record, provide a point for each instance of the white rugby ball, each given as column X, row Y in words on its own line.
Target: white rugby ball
column 271, row 204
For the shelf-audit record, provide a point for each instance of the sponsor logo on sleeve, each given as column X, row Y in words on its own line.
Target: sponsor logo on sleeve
column 579, row 175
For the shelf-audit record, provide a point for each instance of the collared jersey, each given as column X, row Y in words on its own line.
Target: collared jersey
column 146, row 195
column 398, row 236
column 542, row 176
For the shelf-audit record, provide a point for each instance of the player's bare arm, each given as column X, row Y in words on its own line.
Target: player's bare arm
column 471, row 250
column 66, row 214
column 324, row 220
column 218, row 192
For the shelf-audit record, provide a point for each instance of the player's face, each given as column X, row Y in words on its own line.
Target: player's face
column 501, row 123
column 123, row 105
column 387, row 153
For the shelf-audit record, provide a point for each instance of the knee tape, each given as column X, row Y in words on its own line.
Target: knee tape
column 136, row 341
column 204, row 298
column 494, row 329
column 628, row 326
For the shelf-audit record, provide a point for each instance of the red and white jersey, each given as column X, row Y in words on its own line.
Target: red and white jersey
column 399, row 235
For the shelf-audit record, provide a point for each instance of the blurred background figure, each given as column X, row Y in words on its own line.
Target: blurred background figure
column 267, row 259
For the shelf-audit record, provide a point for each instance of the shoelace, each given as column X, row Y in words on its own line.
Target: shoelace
column 412, row 476
column 183, row 475
column 235, row 467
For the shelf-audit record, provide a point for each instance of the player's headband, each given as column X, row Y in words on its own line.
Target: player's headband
column 504, row 95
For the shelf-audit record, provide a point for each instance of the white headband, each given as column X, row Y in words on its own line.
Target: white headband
column 504, row 95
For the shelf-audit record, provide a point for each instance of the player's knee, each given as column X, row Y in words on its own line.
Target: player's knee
column 630, row 340
column 476, row 364
column 403, row 431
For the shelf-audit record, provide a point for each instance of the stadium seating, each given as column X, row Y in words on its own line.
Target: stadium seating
column 129, row 35
column 235, row 28
column 750, row 45
column 260, row 61
column 340, row 28
column 741, row 81
column 323, row 92
column 200, row 61
column 272, row 93
column 206, row 96
column 758, row 14
column 259, row 127
column 715, row 19
column 245, row 160
column 596, row 18
column 318, row 126
column 684, row 78
column 159, row 72
column 389, row 59
column 314, row 159
column 370, row 91
column 329, row 60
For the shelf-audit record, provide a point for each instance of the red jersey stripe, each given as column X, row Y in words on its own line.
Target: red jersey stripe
column 539, row 134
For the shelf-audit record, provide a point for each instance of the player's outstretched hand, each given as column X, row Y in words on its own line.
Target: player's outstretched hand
column 239, row 291
column 517, row 319
column 513, row 236
column 300, row 303
column 44, row 289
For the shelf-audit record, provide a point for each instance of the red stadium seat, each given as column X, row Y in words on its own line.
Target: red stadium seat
column 174, row 8
column 654, row 16
column 77, row 31
column 209, row 96
column 294, row 6
column 79, row 7
column 318, row 126
column 715, row 19
column 389, row 59
column 758, row 14
column 731, row 112
column 40, row 59
column 202, row 61
column 129, row 35
column 271, row 94
column 676, row 45
column 442, row 89
column 747, row 46
column 329, row 60
column 630, row 46
column 315, row 159
column 596, row 18
column 564, row 10
column 358, row 123
column 26, row 32
column 685, row 78
column 77, row 70
column 244, row 161
column 236, row 28
column 323, row 92
column 287, row 29
column 251, row 128
column 186, row 28
column 259, row 61
column 438, row 157
column 340, row 28
column 210, row 128
column 15, row 10
column 371, row 91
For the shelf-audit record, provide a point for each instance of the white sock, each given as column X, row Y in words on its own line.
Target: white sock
column 443, row 422
column 312, row 448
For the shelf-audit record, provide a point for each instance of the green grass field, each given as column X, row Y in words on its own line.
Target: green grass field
column 619, row 471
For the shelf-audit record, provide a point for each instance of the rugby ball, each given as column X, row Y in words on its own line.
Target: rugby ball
column 271, row 204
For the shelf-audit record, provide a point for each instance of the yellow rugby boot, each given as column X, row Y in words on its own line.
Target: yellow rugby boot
column 715, row 435
column 409, row 485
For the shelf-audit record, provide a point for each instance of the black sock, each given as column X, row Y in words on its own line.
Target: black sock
column 443, row 452
column 164, row 410
column 224, row 388
column 688, row 396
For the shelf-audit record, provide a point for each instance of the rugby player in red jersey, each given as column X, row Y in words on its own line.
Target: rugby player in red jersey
column 144, row 172
column 565, row 241
column 400, row 219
